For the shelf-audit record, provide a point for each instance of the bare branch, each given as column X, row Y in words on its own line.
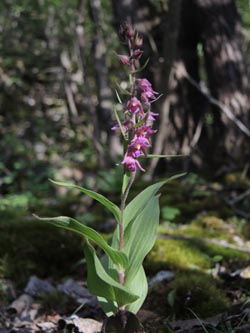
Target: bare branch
column 204, row 91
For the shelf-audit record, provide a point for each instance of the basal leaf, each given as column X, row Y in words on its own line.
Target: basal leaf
column 138, row 284
column 118, row 258
column 142, row 234
column 101, row 284
column 114, row 209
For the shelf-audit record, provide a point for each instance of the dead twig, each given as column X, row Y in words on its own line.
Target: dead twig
column 204, row 91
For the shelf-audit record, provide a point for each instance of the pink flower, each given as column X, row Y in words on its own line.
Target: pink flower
column 147, row 92
column 131, row 164
column 134, row 106
column 151, row 116
column 138, row 146
column 145, row 131
column 127, row 125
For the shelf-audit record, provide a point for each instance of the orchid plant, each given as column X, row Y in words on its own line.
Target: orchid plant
column 118, row 278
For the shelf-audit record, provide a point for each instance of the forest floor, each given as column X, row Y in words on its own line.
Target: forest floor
column 198, row 270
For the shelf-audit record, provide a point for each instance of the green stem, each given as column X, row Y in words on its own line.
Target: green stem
column 126, row 185
column 121, row 274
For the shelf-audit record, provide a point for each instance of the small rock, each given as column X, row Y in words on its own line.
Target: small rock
column 35, row 287
column 161, row 276
column 21, row 305
column 83, row 325
column 72, row 289
column 47, row 326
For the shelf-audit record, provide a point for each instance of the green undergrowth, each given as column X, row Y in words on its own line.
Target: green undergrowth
column 193, row 291
column 30, row 247
column 209, row 226
column 57, row 302
column 179, row 254
column 189, row 294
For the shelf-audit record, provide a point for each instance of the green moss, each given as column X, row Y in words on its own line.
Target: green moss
column 237, row 179
column 179, row 254
column 198, row 292
column 191, row 293
column 209, row 226
column 30, row 247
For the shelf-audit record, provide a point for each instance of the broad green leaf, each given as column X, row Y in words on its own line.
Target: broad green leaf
column 140, row 201
column 109, row 307
column 118, row 258
column 96, row 276
column 114, row 209
column 101, row 284
column 139, row 285
column 142, row 234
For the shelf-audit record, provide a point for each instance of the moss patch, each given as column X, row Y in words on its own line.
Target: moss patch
column 176, row 254
column 190, row 294
column 179, row 254
column 197, row 292
column 30, row 247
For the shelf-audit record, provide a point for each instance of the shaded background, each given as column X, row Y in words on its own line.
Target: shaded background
column 58, row 72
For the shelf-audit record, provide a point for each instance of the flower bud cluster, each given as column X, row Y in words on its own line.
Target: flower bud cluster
column 134, row 41
column 138, row 117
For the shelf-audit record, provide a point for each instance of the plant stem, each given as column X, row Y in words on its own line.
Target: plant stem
column 121, row 274
column 125, row 193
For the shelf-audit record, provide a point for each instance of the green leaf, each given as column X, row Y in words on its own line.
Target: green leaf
column 171, row 297
column 139, row 285
column 142, row 235
column 118, row 96
column 140, row 201
column 114, row 209
column 101, row 284
column 119, row 123
column 118, row 258
column 161, row 156
column 141, row 68
column 126, row 179
column 170, row 213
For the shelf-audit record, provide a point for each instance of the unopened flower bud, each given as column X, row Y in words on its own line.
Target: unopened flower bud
column 137, row 54
column 126, row 31
column 123, row 58
column 138, row 41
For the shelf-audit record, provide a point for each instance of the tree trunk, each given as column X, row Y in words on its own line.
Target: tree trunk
column 213, row 28
column 104, row 92
column 201, row 48
column 222, row 44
